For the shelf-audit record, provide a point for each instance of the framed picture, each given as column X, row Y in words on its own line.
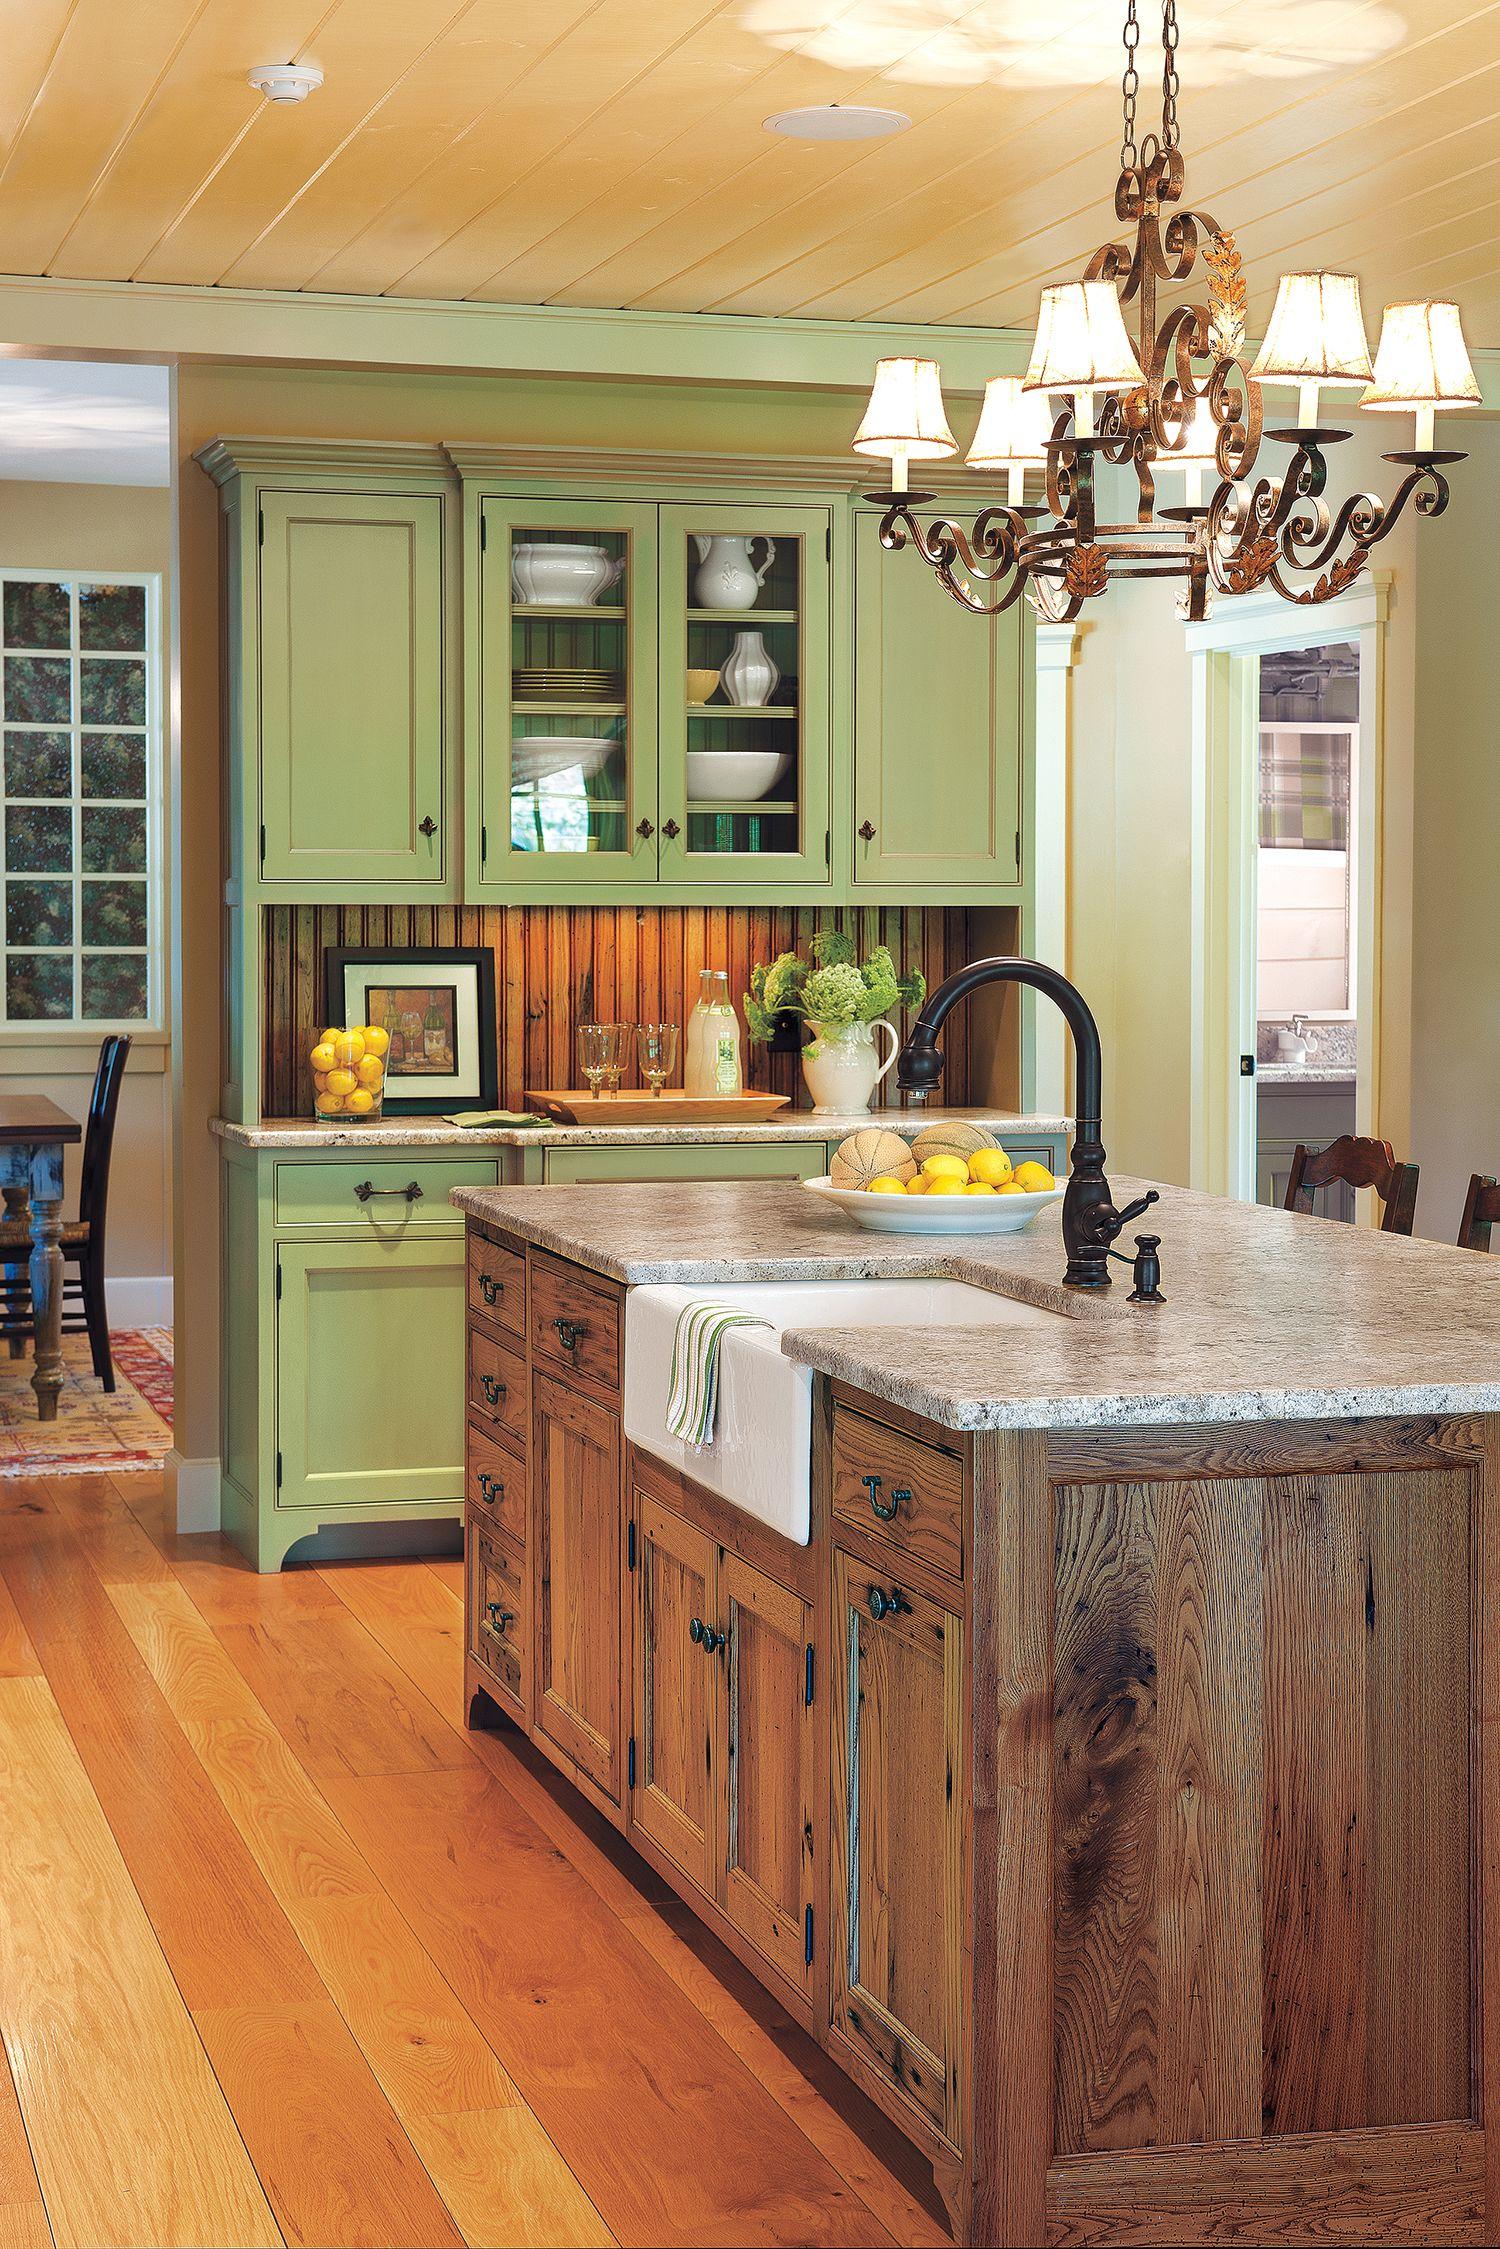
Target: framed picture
column 436, row 1003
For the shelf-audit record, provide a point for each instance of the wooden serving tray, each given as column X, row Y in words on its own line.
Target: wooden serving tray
column 668, row 1108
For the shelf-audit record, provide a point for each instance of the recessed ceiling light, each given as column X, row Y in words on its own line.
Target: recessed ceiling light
column 837, row 121
column 286, row 81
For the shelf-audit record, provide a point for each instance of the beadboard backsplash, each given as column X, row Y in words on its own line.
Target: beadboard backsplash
column 559, row 966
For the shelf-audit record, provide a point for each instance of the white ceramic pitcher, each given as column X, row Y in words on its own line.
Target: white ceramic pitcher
column 846, row 1068
column 726, row 578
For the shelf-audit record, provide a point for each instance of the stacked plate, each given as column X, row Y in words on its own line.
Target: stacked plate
column 537, row 683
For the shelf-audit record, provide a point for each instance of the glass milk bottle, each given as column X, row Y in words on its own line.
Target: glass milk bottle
column 712, row 1064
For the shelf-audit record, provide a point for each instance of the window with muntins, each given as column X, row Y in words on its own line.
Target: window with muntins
column 80, row 839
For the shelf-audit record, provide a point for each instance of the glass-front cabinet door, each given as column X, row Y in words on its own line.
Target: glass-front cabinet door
column 567, row 693
column 744, row 689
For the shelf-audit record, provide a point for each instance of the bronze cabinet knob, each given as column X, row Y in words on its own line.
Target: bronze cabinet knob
column 866, row 831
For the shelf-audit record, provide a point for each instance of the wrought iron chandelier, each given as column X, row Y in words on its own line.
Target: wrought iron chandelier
column 1179, row 398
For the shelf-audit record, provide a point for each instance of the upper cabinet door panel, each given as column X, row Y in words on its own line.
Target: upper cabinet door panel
column 352, row 688
column 939, row 715
column 745, row 697
column 566, row 694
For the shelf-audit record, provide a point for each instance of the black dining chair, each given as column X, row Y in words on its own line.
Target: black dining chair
column 82, row 1240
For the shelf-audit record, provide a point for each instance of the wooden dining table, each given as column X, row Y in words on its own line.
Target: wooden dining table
column 33, row 1134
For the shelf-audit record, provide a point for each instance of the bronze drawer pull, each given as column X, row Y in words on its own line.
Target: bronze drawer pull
column 499, row 1617
column 491, row 1489
column 570, row 1333
column 893, row 1603
column 365, row 1188
column 886, row 1514
column 491, row 1289
column 493, row 1388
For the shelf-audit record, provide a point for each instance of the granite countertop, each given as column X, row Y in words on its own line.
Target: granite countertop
column 1305, row 1073
column 1270, row 1315
column 436, row 1132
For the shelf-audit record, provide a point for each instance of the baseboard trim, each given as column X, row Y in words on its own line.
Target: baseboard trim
column 140, row 1301
column 193, row 1489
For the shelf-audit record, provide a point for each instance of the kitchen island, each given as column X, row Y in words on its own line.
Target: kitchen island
column 1110, row 1781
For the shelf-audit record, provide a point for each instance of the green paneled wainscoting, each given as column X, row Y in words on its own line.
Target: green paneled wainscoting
column 559, row 966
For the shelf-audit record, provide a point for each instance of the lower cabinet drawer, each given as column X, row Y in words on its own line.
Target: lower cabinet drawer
column 498, row 1637
column 497, row 1285
column 497, row 1385
column 905, row 1492
column 495, row 1485
column 779, row 1159
column 385, row 1192
column 575, row 1325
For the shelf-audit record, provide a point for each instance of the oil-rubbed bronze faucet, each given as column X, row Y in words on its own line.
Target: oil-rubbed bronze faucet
column 1089, row 1218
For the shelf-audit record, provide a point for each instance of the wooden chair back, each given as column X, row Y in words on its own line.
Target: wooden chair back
column 99, row 1137
column 1481, row 1211
column 1357, row 1163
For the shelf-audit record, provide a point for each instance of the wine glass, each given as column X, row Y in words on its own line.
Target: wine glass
column 617, row 1049
column 596, row 1043
column 656, row 1046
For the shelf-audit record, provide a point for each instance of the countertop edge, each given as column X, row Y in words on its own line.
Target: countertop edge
column 292, row 1135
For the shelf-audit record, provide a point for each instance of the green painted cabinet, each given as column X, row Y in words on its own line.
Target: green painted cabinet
column 369, row 1381
column 777, row 1159
column 351, row 701
column 940, row 729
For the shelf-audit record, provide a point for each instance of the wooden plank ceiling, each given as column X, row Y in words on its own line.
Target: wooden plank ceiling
column 612, row 152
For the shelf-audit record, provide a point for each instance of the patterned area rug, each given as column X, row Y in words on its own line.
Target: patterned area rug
column 92, row 1432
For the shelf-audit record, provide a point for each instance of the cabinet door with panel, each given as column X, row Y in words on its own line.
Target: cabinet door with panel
column 575, row 1469
column 369, row 1372
column 563, row 677
column 353, row 755
column 745, row 770
column 897, row 1847
column 767, row 1851
column 675, row 1690
column 939, row 723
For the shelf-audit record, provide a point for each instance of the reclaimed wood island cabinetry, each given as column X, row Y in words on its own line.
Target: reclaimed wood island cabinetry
column 1119, row 1807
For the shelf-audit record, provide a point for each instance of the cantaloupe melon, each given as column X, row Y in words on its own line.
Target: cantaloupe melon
column 959, row 1140
column 871, row 1153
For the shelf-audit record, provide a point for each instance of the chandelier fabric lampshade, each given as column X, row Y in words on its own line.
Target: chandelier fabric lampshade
column 905, row 419
column 1421, row 360
column 1317, row 333
column 1014, row 426
column 1081, row 345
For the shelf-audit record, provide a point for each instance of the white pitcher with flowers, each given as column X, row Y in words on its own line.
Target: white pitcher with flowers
column 844, row 1003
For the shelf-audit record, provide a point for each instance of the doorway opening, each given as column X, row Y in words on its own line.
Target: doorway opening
column 1307, row 991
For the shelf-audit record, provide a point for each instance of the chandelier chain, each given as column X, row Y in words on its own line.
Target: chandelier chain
column 1169, row 80
column 1130, row 86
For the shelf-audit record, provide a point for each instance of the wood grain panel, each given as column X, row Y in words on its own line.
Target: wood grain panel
column 559, row 966
column 148, row 2154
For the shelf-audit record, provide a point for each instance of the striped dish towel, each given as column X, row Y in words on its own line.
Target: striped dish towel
column 693, row 1394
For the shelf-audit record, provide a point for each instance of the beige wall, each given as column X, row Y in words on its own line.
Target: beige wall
column 101, row 527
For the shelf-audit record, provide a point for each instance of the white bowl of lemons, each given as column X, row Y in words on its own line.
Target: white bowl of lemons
column 964, row 1184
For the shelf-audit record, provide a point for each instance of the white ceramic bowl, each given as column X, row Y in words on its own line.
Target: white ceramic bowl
column 540, row 757
column 734, row 776
column 935, row 1214
column 558, row 576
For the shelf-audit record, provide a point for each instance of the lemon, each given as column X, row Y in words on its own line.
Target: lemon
column 371, row 1072
column 377, row 1041
column 341, row 1083
column 329, row 1105
column 360, row 1102
column 320, row 1081
column 1011, row 1187
column 945, row 1184
column 323, row 1056
column 885, row 1185
column 349, row 1046
column 1034, row 1179
column 326, row 1038
column 991, row 1167
column 979, row 1187
column 946, row 1167
column 917, row 1185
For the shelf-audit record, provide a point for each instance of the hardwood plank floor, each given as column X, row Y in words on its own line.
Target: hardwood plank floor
column 386, row 1981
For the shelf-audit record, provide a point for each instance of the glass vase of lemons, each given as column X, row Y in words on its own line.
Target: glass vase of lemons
column 348, row 1070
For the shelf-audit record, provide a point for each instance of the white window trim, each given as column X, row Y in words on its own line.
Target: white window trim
column 150, row 1029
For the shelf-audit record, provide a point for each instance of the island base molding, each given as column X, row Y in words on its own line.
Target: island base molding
column 1122, row 1814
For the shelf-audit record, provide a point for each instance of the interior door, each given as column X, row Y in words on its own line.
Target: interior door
column 676, row 1690
column 575, row 1464
column 939, row 721
column 897, row 1865
column 352, row 688
column 768, row 1849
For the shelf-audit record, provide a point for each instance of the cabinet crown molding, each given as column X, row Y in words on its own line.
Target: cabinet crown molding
column 225, row 458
